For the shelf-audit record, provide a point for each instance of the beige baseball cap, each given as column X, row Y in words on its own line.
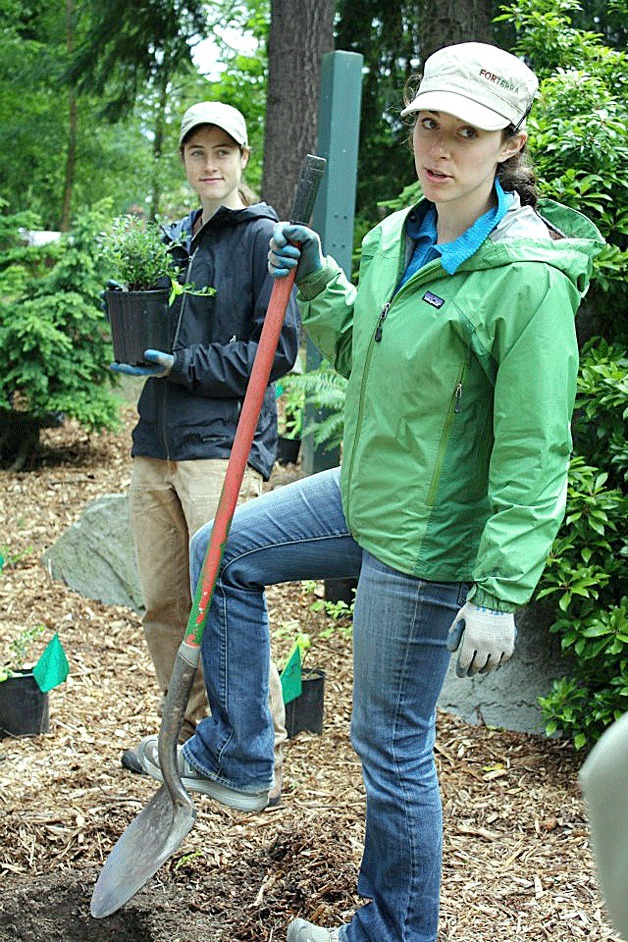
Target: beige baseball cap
column 215, row 112
column 478, row 83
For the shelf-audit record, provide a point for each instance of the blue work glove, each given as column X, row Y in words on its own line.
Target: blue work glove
column 284, row 256
column 486, row 639
column 163, row 364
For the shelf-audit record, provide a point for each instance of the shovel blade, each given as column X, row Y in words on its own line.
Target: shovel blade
column 146, row 844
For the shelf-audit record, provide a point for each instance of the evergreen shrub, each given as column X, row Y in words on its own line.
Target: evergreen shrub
column 54, row 339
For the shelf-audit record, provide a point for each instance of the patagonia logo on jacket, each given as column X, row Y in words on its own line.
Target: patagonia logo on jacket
column 433, row 299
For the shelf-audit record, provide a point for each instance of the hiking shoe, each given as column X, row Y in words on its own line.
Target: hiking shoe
column 131, row 762
column 274, row 795
column 193, row 781
column 300, row 930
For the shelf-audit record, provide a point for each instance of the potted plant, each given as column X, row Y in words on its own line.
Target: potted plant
column 303, row 691
column 24, row 701
column 142, row 288
column 291, row 400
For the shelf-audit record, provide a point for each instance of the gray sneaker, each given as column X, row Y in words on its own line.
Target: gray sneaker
column 131, row 762
column 300, row 930
column 147, row 753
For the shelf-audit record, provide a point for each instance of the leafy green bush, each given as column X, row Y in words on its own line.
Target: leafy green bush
column 600, row 418
column 54, row 339
column 135, row 254
column 579, row 135
column 586, row 576
column 18, row 259
column 324, row 389
column 291, row 400
column 18, row 650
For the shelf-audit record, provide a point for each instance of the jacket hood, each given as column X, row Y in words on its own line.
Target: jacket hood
column 551, row 233
column 181, row 231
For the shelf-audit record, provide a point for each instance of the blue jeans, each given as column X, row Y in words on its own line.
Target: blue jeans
column 400, row 659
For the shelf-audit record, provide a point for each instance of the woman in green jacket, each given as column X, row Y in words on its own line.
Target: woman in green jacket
column 460, row 348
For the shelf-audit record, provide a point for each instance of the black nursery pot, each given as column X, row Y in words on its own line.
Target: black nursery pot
column 24, row 709
column 305, row 712
column 288, row 450
column 140, row 320
column 340, row 590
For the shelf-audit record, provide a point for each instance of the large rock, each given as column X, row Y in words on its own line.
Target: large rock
column 96, row 556
column 508, row 698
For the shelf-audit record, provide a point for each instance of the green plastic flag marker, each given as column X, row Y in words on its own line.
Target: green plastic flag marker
column 291, row 675
column 52, row 668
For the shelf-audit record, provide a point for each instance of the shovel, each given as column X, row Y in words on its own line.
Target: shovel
column 159, row 829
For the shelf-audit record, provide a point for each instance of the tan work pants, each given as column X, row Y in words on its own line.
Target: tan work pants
column 169, row 502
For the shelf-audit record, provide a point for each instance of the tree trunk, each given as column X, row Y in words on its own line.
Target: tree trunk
column 70, row 162
column 300, row 33
column 454, row 21
column 158, row 144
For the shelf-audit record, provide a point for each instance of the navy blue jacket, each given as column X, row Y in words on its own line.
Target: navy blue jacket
column 193, row 412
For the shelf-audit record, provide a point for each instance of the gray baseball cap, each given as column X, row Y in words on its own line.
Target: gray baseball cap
column 219, row 114
column 478, row 83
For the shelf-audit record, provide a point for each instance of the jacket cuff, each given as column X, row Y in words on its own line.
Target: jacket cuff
column 484, row 599
column 177, row 373
column 316, row 282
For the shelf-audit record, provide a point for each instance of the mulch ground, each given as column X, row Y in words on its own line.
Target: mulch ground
column 516, row 852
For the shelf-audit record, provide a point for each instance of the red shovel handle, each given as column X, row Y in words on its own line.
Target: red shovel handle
column 249, row 416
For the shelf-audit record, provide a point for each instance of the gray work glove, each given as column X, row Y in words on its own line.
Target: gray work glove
column 307, row 257
column 163, row 363
column 486, row 639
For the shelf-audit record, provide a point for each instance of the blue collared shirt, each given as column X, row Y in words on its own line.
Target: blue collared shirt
column 421, row 228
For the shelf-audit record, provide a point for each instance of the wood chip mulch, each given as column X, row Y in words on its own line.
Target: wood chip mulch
column 517, row 863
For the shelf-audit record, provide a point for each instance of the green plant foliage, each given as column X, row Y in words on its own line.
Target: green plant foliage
column 602, row 410
column 292, row 402
column 18, row 650
column 579, row 135
column 9, row 559
column 324, row 389
column 53, row 335
column 340, row 614
column 586, row 576
column 135, row 254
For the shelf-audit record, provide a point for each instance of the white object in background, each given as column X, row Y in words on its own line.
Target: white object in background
column 604, row 781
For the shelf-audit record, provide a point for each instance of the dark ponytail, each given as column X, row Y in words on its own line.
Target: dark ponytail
column 517, row 174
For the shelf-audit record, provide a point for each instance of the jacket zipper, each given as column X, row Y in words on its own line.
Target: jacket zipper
column 454, row 409
column 380, row 323
column 376, row 337
column 164, row 427
column 458, row 396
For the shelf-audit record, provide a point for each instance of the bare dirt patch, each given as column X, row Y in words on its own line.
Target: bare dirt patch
column 516, row 858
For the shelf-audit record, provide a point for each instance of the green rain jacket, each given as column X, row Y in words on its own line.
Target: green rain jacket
column 460, row 395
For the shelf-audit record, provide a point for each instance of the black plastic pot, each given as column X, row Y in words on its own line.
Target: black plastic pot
column 24, row 709
column 340, row 590
column 288, row 450
column 140, row 320
column 305, row 712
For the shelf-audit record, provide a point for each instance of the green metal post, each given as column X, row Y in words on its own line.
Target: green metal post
column 334, row 211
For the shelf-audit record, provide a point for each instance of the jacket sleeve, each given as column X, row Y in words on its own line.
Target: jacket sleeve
column 534, row 395
column 223, row 369
column 326, row 301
